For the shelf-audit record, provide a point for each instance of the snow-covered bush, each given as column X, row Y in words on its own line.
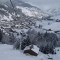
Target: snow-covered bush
column 21, row 41
column 5, row 39
column 25, row 42
column 12, row 38
column 46, row 41
column 49, row 43
column 47, row 49
column 52, row 38
column 32, row 35
column 17, row 44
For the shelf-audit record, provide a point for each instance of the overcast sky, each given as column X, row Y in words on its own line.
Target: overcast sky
column 44, row 4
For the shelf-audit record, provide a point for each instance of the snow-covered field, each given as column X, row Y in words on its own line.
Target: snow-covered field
column 57, row 56
column 8, row 53
column 53, row 25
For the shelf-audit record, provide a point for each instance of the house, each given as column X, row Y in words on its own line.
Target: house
column 32, row 50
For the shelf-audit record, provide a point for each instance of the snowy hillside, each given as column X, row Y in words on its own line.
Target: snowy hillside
column 55, row 12
column 8, row 53
column 25, row 26
column 32, row 12
column 21, row 9
column 4, row 13
column 54, row 26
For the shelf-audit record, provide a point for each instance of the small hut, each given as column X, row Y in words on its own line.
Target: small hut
column 32, row 50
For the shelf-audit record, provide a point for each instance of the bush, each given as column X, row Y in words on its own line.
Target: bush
column 47, row 49
column 12, row 38
column 25, row 42
column 17, row 44
column 22, row 44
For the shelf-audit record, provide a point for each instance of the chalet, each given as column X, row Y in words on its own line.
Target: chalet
column 32, row 50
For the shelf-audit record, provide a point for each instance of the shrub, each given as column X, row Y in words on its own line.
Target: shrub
column 17, row 44
column 25, row 42
column 47, row 49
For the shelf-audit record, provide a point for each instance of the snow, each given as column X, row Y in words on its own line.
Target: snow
column 57, row 55
column 8, row 53
column 4, row 17
column 26, row 11
column 54, row 12
column 20, row 30
column 56, row 17
column 6, row 6
column 32, row 12
column 27, row 48
column 10, row 17
column 43, row 22
column 55, row 26
column 35, row 49
column 3, row 9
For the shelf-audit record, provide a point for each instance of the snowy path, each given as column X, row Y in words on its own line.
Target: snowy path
column 8, row 53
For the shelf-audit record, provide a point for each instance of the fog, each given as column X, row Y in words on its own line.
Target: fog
column 44, row 4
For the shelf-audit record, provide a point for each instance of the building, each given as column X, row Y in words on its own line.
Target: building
column 32, row 50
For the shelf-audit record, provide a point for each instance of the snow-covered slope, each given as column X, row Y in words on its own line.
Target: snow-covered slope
column 54, row 26
column 55, row 12
column 4, row 13
column 32, row 12
column 29, row 10
column 21, row 9
column 8, row 53
column 57, row 56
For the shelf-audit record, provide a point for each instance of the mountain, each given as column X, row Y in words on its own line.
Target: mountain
column 55, row 12
column 21, row 9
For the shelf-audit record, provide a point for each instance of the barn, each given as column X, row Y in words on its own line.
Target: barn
column 32, row 50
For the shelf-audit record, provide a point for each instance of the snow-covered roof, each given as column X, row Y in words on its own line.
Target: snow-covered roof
column 35, row 48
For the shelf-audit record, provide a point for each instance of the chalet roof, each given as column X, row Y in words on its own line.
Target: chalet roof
column 34, row 48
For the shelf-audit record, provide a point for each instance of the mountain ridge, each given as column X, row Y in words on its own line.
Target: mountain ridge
column 23, row 9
